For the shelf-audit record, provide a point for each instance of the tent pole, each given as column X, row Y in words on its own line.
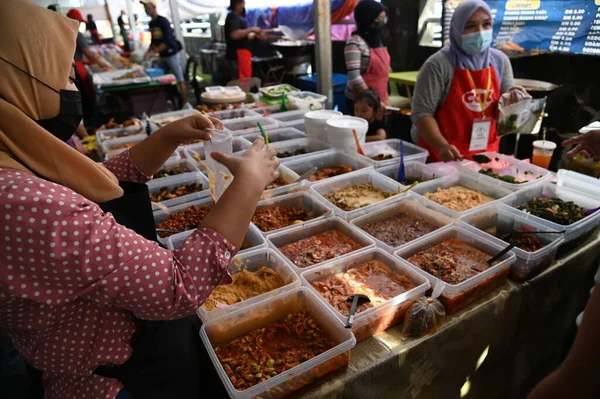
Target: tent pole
column 177, row 24
column 132, row 24
column 322, row 23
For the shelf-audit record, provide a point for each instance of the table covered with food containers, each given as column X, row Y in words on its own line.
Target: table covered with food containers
column 366, row 272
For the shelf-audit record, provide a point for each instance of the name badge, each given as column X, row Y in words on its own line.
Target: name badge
column 480, row 135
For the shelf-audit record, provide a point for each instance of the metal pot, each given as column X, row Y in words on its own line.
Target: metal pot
column 537, row 88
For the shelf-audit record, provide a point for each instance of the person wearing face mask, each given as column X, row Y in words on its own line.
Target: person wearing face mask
column 367, row 59
column 87, row 295
column 458, row 88
column 238, row 37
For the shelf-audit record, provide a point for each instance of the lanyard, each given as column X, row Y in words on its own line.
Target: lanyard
column 489, row 87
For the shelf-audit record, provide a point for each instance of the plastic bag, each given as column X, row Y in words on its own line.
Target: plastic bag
column 425, row 316
column 514, row 111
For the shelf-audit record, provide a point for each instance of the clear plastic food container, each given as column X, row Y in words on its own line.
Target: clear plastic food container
column 467, row 180
column 495, row 219
column 576, row 233
column 235, row 114
column 415, row 170
column 110, row 148
column 244, row 126
column 171, row 182
column 311, row 146
column 369, row 176
column 457, row 296
column 288, row 116
column 167, row 117
column 307, row 100
column 297, row 200
column 411, row 204
column 252, row 261
column 412, row 153
column 325, row 160
column 279, row 239
column 515, row 168
column 381, row 317
column 162, row 214
column 277, row 135
column 184, row 164
column 225, row 329
column 288, row 175
column 271, row 91
column 120, row 132
column 299, row 124
column 578, row 182
column 254, row 239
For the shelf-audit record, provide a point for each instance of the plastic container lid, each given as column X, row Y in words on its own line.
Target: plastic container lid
column 235, row 324
column 544, row 145
column 252, row 261
column 321, row 115
column 382, row 316
column 578, row 182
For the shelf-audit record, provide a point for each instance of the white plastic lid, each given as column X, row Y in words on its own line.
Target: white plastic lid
column 322, row 114
column 544, row 145
column 352, row 122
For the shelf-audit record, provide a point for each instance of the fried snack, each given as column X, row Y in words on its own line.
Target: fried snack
column 319, row 248
column 170, row 193
column 328, row 172
column 458, row 198
column 358, row 196
column 184, row 220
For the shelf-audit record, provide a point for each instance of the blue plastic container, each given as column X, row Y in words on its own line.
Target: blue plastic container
column 309, row 83
column 155, row 72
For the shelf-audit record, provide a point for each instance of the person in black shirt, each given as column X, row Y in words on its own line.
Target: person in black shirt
column 237, row 37
column 166, row 45
column 123, row 29
column 91, row 26
column 367, row 105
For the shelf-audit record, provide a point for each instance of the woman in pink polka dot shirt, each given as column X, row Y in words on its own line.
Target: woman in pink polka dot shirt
column 81, row 295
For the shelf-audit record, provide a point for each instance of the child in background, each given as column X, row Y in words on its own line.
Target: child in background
column 367, row 105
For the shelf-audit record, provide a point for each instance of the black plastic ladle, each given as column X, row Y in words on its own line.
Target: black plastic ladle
column 355, row 299
column 511, row 246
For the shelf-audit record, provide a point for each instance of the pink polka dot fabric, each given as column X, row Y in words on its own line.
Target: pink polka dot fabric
column 72, row 280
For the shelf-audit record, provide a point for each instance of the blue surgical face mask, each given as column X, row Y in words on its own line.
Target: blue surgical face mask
column 476, row 42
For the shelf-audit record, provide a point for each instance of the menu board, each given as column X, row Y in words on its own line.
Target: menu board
column 568, row 26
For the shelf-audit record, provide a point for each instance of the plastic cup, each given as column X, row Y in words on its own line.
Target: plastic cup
column 542, row 153
column 219, row 177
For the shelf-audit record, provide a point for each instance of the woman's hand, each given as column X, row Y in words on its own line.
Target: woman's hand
column 588, row 142
column 189, row 129
column 255, row 166
column 449, row 153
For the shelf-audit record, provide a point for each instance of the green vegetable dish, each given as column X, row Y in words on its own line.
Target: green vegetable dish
column 509, row 126
column 555, row 210
column 277, row 91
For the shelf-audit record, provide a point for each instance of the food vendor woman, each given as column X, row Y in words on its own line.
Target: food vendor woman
column 458, row 88
column 87, row 296
column 367, row 59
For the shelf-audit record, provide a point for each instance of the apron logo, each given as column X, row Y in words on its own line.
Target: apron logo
column 474, row 98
